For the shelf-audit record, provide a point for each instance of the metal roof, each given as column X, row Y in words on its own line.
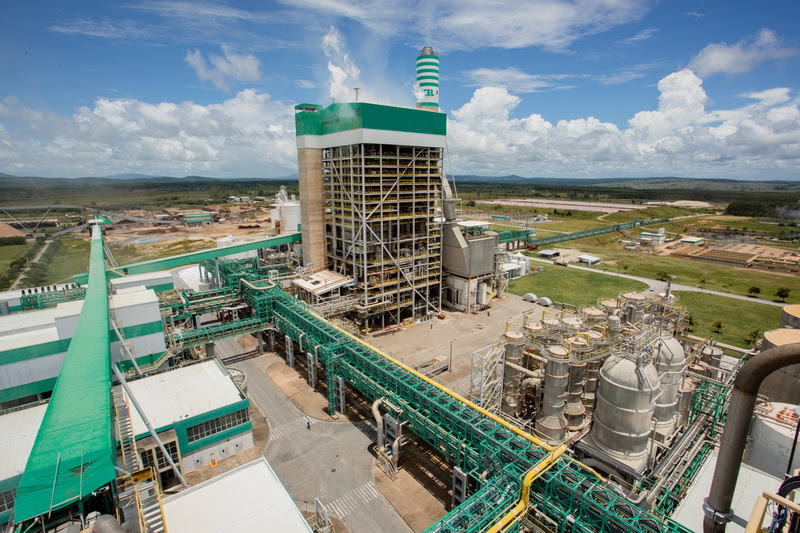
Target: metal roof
column 182, row 393
column 17, row 433
column 74, row 451
column 248, row 499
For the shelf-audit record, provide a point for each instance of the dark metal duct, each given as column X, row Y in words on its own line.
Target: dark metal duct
column 717, row 507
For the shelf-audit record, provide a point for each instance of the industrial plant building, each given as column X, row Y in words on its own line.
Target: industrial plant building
column 603, row 418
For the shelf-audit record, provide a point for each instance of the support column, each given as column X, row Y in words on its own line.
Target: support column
column 260, row 343
column 272, row 340
column 460, row 486
column 210, row 350
column 289, row 351
column 311, row 364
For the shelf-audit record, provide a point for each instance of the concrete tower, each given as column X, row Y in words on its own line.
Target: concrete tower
column 428, row 80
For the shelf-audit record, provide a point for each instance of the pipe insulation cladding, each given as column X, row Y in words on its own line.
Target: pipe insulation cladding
column 717, row 507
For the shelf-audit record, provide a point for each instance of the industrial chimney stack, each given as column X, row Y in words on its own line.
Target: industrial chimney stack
column 428, row 80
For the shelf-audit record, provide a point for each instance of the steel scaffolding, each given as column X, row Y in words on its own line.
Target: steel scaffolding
column 381, row 201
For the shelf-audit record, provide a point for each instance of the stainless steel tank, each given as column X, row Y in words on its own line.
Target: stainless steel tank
column 626, row 399
column 515, row 350
column 671, row 366
column 551, row 422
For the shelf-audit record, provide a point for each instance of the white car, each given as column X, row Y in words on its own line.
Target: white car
column 652, row 289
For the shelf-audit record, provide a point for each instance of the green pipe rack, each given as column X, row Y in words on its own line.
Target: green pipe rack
column 542, row 241
column 43, row 300
column 469, row 439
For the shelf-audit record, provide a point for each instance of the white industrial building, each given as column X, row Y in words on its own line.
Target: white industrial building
column 200, row 413
column 35, row 343
column 248, row 499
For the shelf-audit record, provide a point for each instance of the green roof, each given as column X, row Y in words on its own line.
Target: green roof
column 356, row 115
column 74, row 451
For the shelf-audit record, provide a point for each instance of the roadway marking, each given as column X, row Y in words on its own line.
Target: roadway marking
column 344, row 505
column 290, row 427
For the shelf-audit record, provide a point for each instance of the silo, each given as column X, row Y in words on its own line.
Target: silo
column 711, row 356
column 593, row 315
column 515, row 350
column 626, row 397
column 290, row 217
column 551, row 422
column 783, row 385
column 671, row 366
column 634, row 307
column 790, row 317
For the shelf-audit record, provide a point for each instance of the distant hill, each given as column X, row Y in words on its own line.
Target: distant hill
column 129, row 176
column 4, row 175
column 641, row 183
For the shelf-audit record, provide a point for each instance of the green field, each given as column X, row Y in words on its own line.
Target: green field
column 72, row 258
column 686, row 271
column 9, row 253
column 738, row 317
column 573, row 286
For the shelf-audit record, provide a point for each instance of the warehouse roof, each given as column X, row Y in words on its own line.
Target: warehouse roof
column 181, row 393
column 17, row 432
column 250, row 496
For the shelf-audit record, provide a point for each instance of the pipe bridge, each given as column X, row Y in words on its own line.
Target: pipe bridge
column 564, row 493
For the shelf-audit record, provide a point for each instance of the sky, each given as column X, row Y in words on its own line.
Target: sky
column 537, row 88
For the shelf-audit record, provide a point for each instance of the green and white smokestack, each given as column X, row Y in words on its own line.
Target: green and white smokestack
column 428, row 80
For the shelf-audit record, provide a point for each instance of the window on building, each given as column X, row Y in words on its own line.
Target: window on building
column 7, row 500
column 149, row 457
column 217, row 425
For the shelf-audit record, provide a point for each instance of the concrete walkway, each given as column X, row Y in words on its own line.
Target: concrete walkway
column 330, row 461
column 661, row 286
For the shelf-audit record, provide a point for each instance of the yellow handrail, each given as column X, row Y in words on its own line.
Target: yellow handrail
column 527, row 436
column 540, row 468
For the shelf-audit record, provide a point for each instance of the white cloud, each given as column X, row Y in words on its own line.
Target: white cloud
column 305, row 84
column 679, row 137
column 639, row 37
column 514, row 80
column 344, row 74
column 472, row 24
column 741, row 57
column 226, row 67
column 247, row 135
column 107, row 29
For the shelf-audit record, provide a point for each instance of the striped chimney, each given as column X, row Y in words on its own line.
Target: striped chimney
column 428, row 80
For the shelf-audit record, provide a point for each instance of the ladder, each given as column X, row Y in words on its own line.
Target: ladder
column 151, row 513
column 127, row 442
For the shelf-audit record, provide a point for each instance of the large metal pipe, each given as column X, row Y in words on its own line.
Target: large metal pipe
column 717, row 507
column 378, row 421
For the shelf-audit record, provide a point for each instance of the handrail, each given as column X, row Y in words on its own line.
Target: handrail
column 540, row 468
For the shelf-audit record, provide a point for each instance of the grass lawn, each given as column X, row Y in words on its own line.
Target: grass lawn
column 687, row 271
column 738, row 317
column 573, row 286
column 72, row 258
column 11, row 252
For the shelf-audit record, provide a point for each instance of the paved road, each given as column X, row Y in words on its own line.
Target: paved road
column 331, row 461
column 661, row 286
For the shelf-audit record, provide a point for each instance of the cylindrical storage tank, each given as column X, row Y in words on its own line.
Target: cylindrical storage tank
column 634, row 306
column 515, row 351
column 572, row 323
column 712, row 356
column 790, row 318
column 671, row 366
column 551, row 422
column 575, row 410
column 626, row 396
column 614, row 326
column 590, row 387
column 107, row 524
column 687, row 389
column 593, row 315
column 428, row 80
column 482, row 293
column 609, row 306
column 783, row 385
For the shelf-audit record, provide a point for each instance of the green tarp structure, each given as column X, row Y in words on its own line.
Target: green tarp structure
column 74, row 452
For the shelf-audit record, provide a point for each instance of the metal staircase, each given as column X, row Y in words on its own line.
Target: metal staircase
column 138, row 491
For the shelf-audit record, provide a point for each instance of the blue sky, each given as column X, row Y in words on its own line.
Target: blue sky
column 560, row 88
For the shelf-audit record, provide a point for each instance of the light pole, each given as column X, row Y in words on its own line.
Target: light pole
column 794, row 444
